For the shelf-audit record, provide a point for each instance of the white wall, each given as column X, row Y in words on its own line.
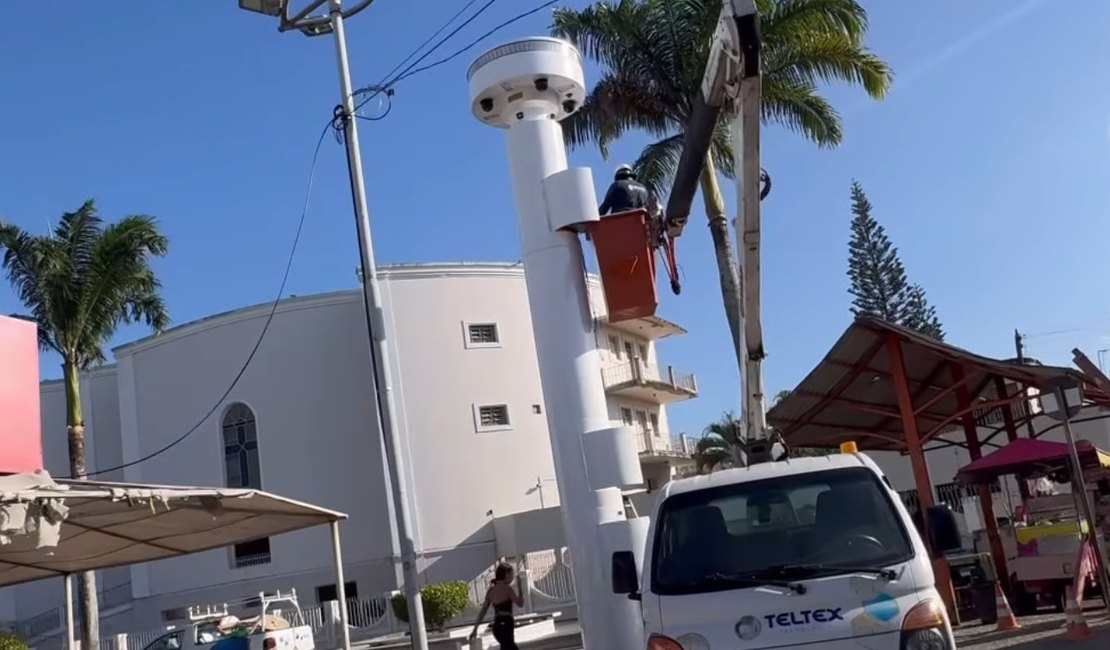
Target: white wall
column 309, row 387
column 463, row 477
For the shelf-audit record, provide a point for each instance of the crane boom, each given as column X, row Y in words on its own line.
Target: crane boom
column 731, row 86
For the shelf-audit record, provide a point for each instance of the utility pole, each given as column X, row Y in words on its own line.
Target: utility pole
column 1019, row 349
column 333, row 23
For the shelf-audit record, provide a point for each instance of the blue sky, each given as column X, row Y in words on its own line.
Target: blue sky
column 987, row 164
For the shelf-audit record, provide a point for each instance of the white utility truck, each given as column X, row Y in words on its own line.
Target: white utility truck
column 219, row 628
column 814, row 552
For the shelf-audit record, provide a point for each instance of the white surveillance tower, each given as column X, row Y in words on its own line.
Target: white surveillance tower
column 526, row 87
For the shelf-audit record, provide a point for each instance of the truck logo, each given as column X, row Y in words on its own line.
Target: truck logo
column 804, row 617
column 748, row 628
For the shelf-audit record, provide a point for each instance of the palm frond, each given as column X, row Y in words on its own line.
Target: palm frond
column 780, row 19
column 82, row 281
column 623, row 37
column 829, row 58
column 656, row 165
column 799, row 107
column 613, row 107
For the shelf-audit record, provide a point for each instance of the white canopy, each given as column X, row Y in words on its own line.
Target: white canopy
column 52, row 528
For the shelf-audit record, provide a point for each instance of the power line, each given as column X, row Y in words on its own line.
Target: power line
column 261, row 335
column 481, row 38
column 334, row 123
column 387, row 84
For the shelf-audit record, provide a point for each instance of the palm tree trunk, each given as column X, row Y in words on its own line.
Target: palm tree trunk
column 75, row 428
column 722, row 247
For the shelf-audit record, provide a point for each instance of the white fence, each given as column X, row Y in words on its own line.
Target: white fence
column 544, row 578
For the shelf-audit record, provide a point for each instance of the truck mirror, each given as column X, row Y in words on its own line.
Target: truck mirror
column 626, row 579
column 942, row 529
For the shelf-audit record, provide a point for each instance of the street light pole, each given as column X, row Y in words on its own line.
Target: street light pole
column 375, row 313
column 379, row 347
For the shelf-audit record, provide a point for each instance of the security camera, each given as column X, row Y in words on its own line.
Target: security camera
column 569, row 105
column 541, row 84
column 486, row 104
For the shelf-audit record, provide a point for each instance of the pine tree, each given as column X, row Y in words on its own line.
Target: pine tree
column 878, row 277
column 880, row 288
column 920, row 315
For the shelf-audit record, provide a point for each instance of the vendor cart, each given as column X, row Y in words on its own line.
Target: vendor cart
column 1043, row 541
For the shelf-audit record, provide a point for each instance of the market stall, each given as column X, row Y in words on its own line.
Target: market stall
column 1047, row 536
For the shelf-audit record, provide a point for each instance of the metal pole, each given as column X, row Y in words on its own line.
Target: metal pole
column 340, row 586
column 1079, row 486
column 71, row 637
column 379, row 350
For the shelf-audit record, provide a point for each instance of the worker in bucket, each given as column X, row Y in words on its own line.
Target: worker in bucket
column 627, row 193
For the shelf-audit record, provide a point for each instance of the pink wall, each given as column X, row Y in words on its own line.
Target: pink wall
column 20, row 426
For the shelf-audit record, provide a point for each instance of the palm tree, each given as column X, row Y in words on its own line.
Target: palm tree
column 720, row 444
column 80, row 283
column 654, row 53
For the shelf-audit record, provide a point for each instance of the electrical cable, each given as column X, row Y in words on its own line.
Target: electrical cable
column 386, row 83
column 481, row 38
column 261, row 335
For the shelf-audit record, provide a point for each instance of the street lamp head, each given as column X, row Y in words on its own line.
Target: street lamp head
column 265, row 7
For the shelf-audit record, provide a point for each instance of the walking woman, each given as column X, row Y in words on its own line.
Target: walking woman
column 501, row 596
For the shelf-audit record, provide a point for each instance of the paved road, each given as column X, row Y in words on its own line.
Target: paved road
column 1037, row 633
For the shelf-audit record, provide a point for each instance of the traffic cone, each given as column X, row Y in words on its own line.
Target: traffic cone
column 1006, row 619
column 1077, row 630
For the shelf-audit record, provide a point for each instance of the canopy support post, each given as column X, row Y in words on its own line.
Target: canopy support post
column 71, row 638
column 1011, row 428
column 916, row 452
column 340, row 587
column 986, row 502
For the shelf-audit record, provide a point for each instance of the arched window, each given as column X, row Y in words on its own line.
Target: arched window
column 240, row 437
column 241, row 448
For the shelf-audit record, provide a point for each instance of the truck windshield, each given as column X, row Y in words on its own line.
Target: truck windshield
column 767, row 531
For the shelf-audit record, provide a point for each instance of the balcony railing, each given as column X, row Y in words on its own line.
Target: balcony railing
column 255, row 559
column 637, row 373
column 655, row 442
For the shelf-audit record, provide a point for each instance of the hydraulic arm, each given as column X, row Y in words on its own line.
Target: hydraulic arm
column 731, row 88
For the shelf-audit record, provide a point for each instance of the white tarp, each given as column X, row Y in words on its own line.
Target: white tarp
column 52, row 528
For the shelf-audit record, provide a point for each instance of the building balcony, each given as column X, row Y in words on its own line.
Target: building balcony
column 646, row 383
column 651, row 328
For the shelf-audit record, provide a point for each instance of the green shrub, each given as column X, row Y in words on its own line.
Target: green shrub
column 10, row 641
column 443, row 601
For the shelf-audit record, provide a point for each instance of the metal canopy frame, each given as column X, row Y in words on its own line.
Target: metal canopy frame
column 101, row 524
column 889, row 388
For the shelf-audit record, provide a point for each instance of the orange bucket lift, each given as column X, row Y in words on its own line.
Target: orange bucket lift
column 626, row 244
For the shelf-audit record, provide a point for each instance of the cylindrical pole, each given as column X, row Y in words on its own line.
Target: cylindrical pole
column 71, row 637
column 568, row 360
column 340, row 586
column 379, row 350
column 1079, row 486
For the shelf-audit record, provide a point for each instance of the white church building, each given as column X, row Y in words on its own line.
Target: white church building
column 301, row 422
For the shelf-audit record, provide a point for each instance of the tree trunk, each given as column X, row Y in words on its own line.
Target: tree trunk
column 75, row 428
column 722, row 246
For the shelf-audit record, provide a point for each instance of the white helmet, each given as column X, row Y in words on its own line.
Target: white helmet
column 624, row 171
